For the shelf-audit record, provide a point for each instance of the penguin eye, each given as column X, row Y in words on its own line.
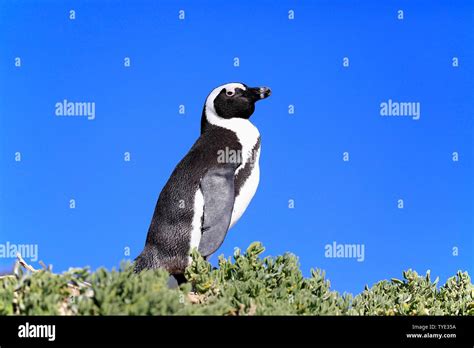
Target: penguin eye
column 230, row 93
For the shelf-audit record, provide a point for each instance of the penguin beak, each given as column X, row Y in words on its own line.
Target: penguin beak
column 259, row 93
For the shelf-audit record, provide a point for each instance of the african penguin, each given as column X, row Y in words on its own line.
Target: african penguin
column 211, row 186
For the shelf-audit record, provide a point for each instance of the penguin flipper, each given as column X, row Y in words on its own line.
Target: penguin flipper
column 217, row 188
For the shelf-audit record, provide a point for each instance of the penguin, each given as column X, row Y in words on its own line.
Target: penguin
column 211, row 186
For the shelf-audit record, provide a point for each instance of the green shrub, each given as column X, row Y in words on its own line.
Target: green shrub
column 246, row 285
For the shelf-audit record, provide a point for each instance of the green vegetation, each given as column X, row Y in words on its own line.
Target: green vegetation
column 246, row 285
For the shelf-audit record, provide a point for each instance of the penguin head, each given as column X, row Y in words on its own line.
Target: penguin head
column 235, row 100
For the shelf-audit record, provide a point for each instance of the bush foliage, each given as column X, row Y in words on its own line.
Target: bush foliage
column 246, row 285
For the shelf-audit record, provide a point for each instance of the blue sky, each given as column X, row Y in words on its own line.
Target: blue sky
column 174, row 62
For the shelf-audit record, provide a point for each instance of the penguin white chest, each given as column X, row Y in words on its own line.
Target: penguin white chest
column 247, row 191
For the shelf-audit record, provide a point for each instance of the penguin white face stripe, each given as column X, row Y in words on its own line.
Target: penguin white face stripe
column 215, row 92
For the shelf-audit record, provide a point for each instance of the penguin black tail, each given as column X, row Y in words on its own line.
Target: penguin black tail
column 149, row 260
column 146, row 260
